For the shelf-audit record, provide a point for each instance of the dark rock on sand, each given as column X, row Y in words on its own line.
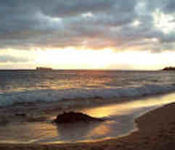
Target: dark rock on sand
column 75, row 117
column 20, row 114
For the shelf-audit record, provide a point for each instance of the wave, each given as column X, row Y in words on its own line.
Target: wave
column 11, row 98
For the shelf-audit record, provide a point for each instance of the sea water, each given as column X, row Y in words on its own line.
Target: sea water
column 143, row 89
column 50, row 86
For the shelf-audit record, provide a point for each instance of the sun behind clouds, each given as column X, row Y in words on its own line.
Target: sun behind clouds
column 71, row 58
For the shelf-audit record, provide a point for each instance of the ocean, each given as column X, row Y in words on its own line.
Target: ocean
column 31, row 100
column 18, row 86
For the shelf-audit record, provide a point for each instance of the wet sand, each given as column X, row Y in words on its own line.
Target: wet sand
column 156, row 131
column 29, row 124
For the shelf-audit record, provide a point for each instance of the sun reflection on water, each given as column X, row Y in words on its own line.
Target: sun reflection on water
column 128, row 107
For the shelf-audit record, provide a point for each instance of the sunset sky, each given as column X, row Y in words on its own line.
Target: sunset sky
column 87, row 34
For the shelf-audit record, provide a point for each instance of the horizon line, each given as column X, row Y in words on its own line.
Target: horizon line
column 81, row 70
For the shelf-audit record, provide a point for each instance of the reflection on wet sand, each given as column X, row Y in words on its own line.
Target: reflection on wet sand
column 26, row 132
column 120, row 121
column 100, row 130
column 71, row 132
column 74, row 132
column 128, row 107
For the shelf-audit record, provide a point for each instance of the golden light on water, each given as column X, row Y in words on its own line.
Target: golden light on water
column 126, row 108
column 102, row 129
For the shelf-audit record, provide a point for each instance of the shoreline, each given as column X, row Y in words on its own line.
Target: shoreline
column 156, row 130
column 39, row 112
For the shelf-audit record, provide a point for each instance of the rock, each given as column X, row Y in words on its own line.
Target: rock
column 75, row 117
column 20, row 114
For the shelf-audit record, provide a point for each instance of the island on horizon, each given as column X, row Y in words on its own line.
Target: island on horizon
column 43, row 69
column 169, row 69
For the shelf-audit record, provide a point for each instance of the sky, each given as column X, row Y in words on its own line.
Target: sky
column 87, row 34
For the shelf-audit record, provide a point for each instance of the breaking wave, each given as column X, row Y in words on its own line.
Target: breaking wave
column 11, row 98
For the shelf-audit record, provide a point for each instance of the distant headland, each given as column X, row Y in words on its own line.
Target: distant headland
column 169, row 69
column 43, row 69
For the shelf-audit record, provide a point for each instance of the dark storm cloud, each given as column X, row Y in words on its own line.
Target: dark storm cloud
column 167, row 6
column 88, row 23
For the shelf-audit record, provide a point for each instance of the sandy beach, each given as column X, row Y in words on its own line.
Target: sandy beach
column 156, row 131
column 87, row 75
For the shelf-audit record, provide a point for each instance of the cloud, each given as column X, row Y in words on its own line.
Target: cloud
column 60, row 23
column 12, row 59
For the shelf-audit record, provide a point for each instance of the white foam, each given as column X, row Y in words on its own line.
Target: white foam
column 11, row 98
